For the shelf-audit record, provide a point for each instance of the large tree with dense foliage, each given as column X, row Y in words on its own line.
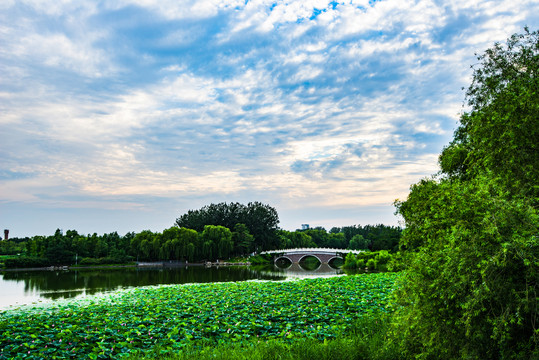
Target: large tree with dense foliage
column 260, row 219
column 472, row 232
column 500, row 134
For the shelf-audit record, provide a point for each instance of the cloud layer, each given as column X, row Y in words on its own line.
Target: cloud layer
column 123, row 116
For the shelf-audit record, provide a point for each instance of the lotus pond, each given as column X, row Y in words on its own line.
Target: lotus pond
column 172, row 316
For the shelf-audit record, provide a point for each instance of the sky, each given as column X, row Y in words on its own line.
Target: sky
column 123, row 115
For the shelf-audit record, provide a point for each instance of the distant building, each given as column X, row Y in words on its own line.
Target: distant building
column 304, row 226
column 6, row 234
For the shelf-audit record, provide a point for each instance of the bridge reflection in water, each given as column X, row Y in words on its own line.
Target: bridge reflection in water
column 324, row 269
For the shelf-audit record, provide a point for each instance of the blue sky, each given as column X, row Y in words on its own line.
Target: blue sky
column 123, row 115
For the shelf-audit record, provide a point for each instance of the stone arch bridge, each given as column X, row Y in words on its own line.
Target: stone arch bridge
column 324, row 255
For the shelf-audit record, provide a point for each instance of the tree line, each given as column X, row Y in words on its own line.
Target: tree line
column 207, row 234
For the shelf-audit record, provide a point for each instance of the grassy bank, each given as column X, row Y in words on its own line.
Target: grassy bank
column 172, row 319
column 366, row 339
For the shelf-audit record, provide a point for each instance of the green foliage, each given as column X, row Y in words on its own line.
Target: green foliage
column 471, row 284
column 500, row 133
column 242, row 239
column 295, row 239
column 219, row 238
column 375, row 260
column 13, row 246
column 349, row 261
column 476, row 272
column 183, row 244
column 260, row 259
column 365, row 339
column 377, row 237
column 104, row 261
column 358, row 242
column 173, row 317
column 25, row 262
column 261, row 220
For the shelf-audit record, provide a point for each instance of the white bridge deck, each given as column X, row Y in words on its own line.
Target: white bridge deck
column 312, row 251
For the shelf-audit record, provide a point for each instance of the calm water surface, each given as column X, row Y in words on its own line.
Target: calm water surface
column 33, row 287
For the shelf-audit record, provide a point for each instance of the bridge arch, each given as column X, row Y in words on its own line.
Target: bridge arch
column 297, row 264
column 323, row 255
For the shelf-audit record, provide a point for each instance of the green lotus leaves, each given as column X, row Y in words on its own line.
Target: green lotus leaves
column 171, row 316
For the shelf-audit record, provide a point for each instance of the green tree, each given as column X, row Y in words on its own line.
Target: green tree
column 358, row 242
column 261, row 220
column 319, row 236
column 242, row 239
column 190, row 240
column 336, row 241
column 500, row 134
column 295, row 239
column 470, row 289
column 143, row 241
column 475, row 272
column 59, row 250
column 217, row 242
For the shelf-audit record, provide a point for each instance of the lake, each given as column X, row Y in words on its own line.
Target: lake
column 19, row 288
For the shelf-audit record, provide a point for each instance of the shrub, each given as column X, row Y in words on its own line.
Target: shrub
column 26, row 262
column 260, row 259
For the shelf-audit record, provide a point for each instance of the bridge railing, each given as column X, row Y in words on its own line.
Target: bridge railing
column 311, row 250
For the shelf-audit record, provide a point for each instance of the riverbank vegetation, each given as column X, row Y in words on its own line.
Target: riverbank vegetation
column 213, row 242
column 381, row 260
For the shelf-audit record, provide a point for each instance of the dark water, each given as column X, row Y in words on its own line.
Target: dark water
column 32, row 287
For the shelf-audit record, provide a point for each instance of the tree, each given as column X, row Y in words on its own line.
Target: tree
column 336, row 241
column 217, row 242
column 143, row 241
column 295, row 239
column 358, row 242
column 471, row 285
column 242, row 239
column 500, row 134
column 191, row 240
column 261, row 220
column 58, row 250
column 319, row 236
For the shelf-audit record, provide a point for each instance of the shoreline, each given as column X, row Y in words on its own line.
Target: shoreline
column 121, row 266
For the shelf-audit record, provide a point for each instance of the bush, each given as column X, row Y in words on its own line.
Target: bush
column 375, row 260
column 260, row 259
column 476, row 273
column 89, row 261
column 350, row 261
column 26, row 262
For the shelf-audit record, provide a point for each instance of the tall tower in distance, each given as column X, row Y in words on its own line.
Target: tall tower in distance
column 6, row 234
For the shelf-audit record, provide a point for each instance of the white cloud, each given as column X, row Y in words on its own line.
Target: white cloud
column 57, row 50
column 225, row 100
column 178, row 10
column 61, row 7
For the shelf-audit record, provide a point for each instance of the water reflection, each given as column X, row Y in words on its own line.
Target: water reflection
column 24, row 287
column 305, row 270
